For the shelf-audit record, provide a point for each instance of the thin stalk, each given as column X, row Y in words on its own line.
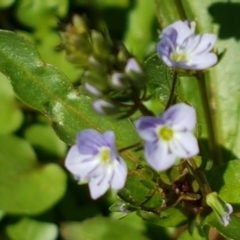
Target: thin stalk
column 172, row 93
column 180, row 9
column 129, row 147
column 200, row 177
column 213, row 144
column 158, row 13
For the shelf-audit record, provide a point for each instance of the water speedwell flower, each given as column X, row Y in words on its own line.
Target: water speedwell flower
column 169, row 137
column 180, row 47
column 94, row 158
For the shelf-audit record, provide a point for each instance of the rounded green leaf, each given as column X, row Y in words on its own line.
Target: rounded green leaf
column 228, row 178
column 25, row 186
column 11, row 116
column 100, row 228
column 30, row 229
column 45, row 141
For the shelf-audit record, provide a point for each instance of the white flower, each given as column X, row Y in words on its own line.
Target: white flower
column 169, row 137
column 179, row 47
column 94, row 158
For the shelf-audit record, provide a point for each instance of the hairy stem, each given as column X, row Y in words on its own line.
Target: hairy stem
column 212, row 139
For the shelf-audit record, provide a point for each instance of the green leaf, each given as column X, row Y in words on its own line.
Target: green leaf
column 140, row 190
column 231, row 231
column 25, row 186
column 30, row 229
column 45, row 88
column 100, row 228
column 45, row 141
column 11, row 116
column 41, row 13
column 159, row 79
column 228, row 177
column 171, row 217
column 138, row 34
column 6, row 3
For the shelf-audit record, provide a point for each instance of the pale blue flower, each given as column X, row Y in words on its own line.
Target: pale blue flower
column 180, row 47
column 94, row 158
column 169, row 137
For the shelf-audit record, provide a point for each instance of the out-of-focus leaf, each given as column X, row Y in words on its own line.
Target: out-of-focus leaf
column 171, row 217
column 41, row 13
column 30, row 229
column 138, row 34
column 231, row 231
column 106, row 3
column 11, row 116
column 100, row 228
column 45, row 88
column 25, row 186
column 6, row 3
column 228, row 177
column 43, row 138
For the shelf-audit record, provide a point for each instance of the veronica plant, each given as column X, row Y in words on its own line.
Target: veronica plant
column 171, row 117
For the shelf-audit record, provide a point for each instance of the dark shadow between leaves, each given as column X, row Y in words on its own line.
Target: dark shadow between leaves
column 227, row 15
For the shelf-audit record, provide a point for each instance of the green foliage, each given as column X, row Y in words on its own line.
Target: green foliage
column 104, row 228
column 33, row 230
column 24, row 184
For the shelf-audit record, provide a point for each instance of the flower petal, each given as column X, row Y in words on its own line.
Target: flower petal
column 202, row 61
column 89, row 141
column 100, row 184
column 181, row 117
column 146, row 127
column 184, row 145
column 182, row 29
column 205, row 43
column 158, row 155
column 119, row 174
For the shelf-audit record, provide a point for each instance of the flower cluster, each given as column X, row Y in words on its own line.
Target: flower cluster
column 167, row 139
column 94, row 157
column 180, row 47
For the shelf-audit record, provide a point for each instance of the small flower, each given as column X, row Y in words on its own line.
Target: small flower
column 179, row 47
column 94, row 158
column 168, row 137
column 91, row 89
column 222, row 209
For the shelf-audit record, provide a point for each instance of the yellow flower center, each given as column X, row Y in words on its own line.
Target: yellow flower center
column 179, row 57
column 165, row 133
column 105, row 154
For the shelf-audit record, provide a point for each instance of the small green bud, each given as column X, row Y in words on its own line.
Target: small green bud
column 222, row 209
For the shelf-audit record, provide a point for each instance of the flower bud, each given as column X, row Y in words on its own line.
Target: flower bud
column 102, row 106
column 222, row 209
column 91, row 89
column 118, row 81
column 101, row 47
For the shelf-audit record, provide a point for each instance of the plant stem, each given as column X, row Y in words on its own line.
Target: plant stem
column 129, row 147
column 180, row 10
column 158, row 13
column 200, row 177
column 172, row 93
column 212, row 139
